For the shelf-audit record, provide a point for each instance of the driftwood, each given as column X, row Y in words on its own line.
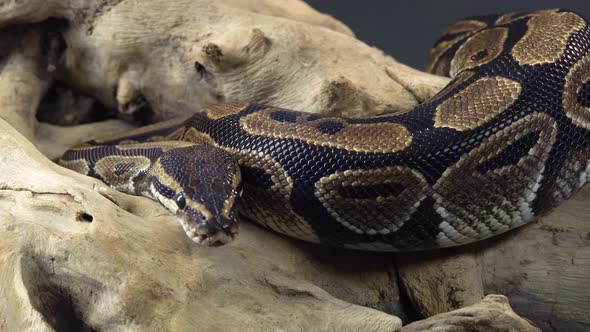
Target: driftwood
column 76, row 252
column 492, row 314
column 76, row 255
column 184, row 54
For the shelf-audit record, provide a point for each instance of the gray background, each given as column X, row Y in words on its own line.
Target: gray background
column 407, row 29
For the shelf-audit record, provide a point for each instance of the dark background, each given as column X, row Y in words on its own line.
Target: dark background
column 407, row 29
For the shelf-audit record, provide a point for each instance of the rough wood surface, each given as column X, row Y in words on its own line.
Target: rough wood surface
column 492, row 314
column 75, row 254
column 225, row 50
column 132, row 262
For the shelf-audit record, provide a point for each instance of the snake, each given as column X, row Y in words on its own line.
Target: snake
column 507, row 140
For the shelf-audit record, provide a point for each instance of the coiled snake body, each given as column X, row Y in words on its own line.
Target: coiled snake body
column 506, row 140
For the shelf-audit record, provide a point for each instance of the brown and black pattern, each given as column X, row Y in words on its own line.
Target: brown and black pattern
column 334, row 132
column 468, row 194
column 477, row 103
column 512, row 17
column 547, row 37
column 479, row 49
column 576, row 93
column 373, row 201
column 439, row 60
column 573, row 175
column 506, row 140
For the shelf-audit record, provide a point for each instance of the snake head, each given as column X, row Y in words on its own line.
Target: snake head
column 202, row 186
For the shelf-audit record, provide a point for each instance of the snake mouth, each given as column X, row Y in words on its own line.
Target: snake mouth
column 208, row 237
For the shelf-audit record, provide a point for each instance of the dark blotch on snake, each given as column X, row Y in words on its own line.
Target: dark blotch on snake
column 584, row 95
column 283, row 116
column 511, row 154
column 371, row 191
column 479, row 55
column 313, row 117
column 330, row 127
column 256, row 175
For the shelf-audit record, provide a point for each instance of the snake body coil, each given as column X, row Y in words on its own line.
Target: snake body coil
column 506, row 140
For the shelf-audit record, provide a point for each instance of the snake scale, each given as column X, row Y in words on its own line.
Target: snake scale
column 505, row 141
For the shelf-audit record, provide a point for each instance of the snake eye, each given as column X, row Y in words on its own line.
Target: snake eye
column 180, row 201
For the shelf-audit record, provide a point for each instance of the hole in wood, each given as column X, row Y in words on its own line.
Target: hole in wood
column 85, row 217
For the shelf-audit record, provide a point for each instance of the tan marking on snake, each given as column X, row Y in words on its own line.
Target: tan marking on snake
column 471, row 203
column 160, row 173
column 509, row 18
column 80, row 166
column 546, row 38
column 163, row 145
column 374, row 137
column 457, row 81
column 229, row 203
column 574, row 80
column 176, row 135
column 383, row 211
column 219, row 111
column 477, row 104
column 463, row 28
column 479, row 49
column 194, row 136
column 514, row 16
column 120, row 171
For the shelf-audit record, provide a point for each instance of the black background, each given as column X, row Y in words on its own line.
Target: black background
column 407, row 29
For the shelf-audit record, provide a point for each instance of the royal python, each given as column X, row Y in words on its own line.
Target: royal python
column 507, row 139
